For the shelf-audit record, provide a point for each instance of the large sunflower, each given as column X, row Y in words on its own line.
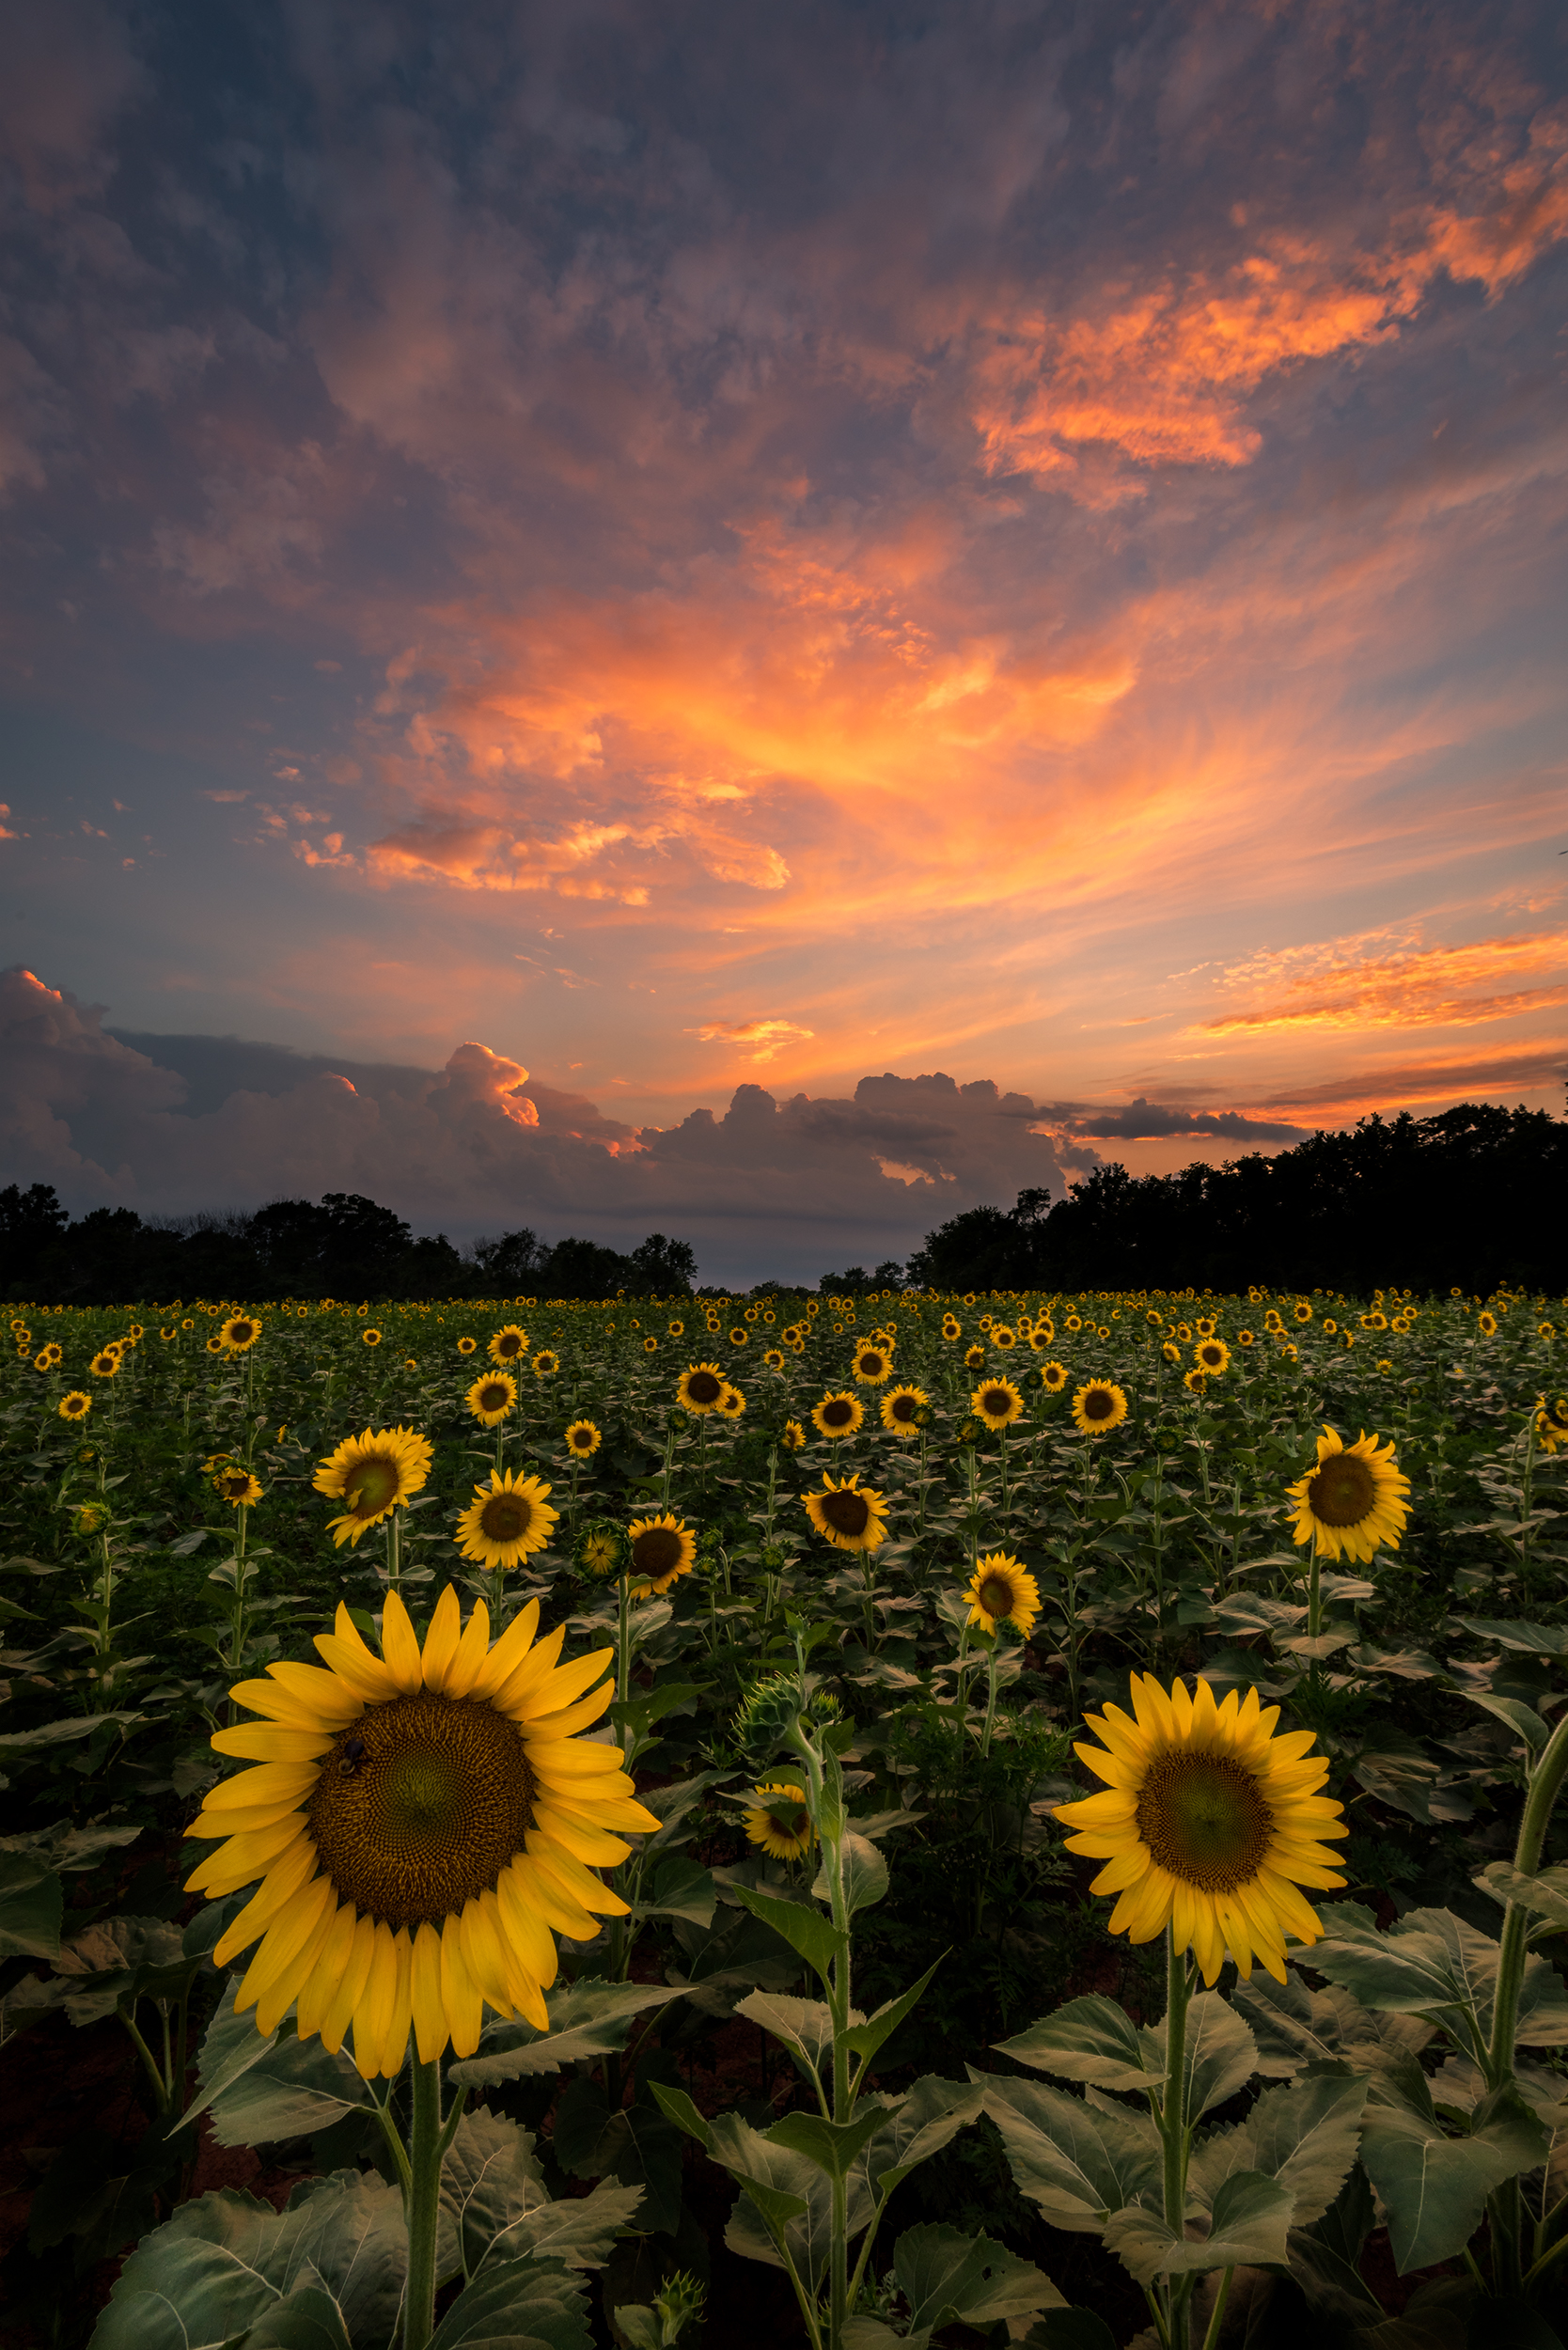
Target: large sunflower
column 780, row 1823
column 1097, row 1407
column 491, row 1398
column 1053, row 1377
column 1002, row 1591
column 509, row 1345
column 850, row 1517
column 423, row 1825
column 700, row 1389
column 998, row 1403
column 838, row 1414
column 872, row 1365
column 1212, row 1355
column 905, row 1408
column 661, row 1549
column 1353, row 1500
column 371, row 1474
column 240, row 1332
column 507, row 1521
column 1210, row 1825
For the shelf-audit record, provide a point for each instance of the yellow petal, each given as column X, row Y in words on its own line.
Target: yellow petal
column 399, row 1646
column 460, row 1994
column 441, row 1647
column 591, row 1844
column 344, row 2003
column 575, row 1882
column 508, row 1652
column 244, row 1858
column 431, row 2032
column 270, row 1742
column 1122, row 1869
column 571, row 1718
column 577, row 1758
column 269, row 1782
column 523, row 1928
column 321, row 1691
column 325, row 1978
column 481, row 1953
column 245, row 1823
column 567, row 1682
column 472, row 1651
column 289, row 1933
column 353, row 1662
column 509, row 1693
column 373, row 2014
column 283, row 1705
column 564, row 1913
column 278, row 1889
column 276, row 1994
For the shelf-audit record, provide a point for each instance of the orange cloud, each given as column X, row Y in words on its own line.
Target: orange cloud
column 1433, row 988
column 1442, row 1078
column 760, row 1040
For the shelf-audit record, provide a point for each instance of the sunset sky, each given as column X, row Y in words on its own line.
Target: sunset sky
column 707, row 545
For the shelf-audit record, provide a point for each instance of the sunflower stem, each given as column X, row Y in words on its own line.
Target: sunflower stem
column 1504, row 2207
column 1173, row 2126
column 422, row 2198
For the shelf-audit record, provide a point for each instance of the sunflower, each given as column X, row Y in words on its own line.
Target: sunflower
column 106, row 1363
column 1053, row 1377
column 872, row 1365
column 732, row 1402
column 371, row 1474
column 974, row 1358
column 240, row 1332
column 1551, row 1424
column 1002, row 1591
column 1303, row 1311
column 1074, row 1322
column 582, row 1439
column 1291, row 1351
column 700, row 1389
column 423, row 1825
column 509, row 1345
column 467, row 1346
column 1244, row 1338
column 1210, row 1822
column 75, row 1406
column 1487, row 1325
column 236, row 1485
column 1353, row 1500
column 1099, row 1406
column 370, row 1337
column 998, row 1403
column 507, row 1521
column 1546, row 1330
column 793, row 1437
column 662, row 1550
column 1195, row 1382
column 780, row 1824
column 838, row 1414
column 906, row 1408
column 952, row 1326
column 491, row 1398
column 600, row 1551
column 848, row 1517
column 1169, row 1352
column 1385, row 1365
column 1206, row 1327
column 774, row 1359
column 677, row 1329
column 1213, row 1355
column 544, row 1363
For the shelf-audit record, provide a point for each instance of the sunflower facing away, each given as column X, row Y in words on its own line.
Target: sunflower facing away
column 661, row 1549
column 240, row 1332
column 507, row 1521
column 1212, row 1355
column 1097, row 1407
column 700, row 1389
column 848, row 1517
column 780, row 1824
column 1053, row 1377
column 582, row 1439
column 1210, row 1825
column 423, row 1825
column 838, row 1414
column 371, row 1474
column 998, row 1403
column 236, row 1484
column 793, row 1437
column 906, row 1408
column 1353, row 1500
column 1002, row 1591
column 509, row 1345
column 491, row 1398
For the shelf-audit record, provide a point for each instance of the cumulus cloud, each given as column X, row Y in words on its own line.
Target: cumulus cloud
column 1144, row 1121
column 771, row 1187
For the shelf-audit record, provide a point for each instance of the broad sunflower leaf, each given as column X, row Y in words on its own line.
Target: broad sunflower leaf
column 31, row 1908
column 1294, row 2027
column 588, row 2019
column 1534, row 1637
column 866, row 2034
column 952, row 2278
column 1078, row 2163
column 309, row 2317
column 803, row 2026
column 1221, row 2054
column 1521, row 1718
column 679, row 1887
column 917, row 2126
column 866, row 1877
column 261, row 2088
column 489, row 2179
column 1090, row 2039
column 805, row 1930
column 1545, row 1893
column 1304, row 2135
column 518, row 2305
column 1434, row 2188
column 226, row 2261
column 1249, row 2224
column 1431, row 1963
column 831, row 2145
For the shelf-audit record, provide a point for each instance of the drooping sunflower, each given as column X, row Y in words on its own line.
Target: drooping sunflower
column 793, row 1436
column 661, row 1549
column 1353, row 1500
column 1195, row 1382
column 872, row 1365
column 1170, row 1353
column 240, row 1332
column 847, row 1516
column 1210, row 1825
column 507, row 1521
column 998, row 1403
column 509, row 1345
column 700, row 1389
column 423, row 1825
column 371, row 1474
column 904, row 1408
column 106, row 1363
column 75, row 1406
column 780, row 1824
column 582, row 1439
column 838, row 1414
column 1212, row 1355
column 1002, row 1591
column 236, row 1484
column 732, row 1402
column 974, row 1358
column 1053, row 1377
column 492, row 1397
column 545, row 1363
column 1098, row 1406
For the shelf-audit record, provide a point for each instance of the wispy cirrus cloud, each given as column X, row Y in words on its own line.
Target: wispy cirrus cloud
column 1431, row 987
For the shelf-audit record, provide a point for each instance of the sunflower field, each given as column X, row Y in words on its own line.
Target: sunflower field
column 846, row 1820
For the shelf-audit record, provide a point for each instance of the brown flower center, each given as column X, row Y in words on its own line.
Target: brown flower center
column 995, row 1596
column 505, row 1517
column 1204, row 1820
column 904, row 1407
column 995, row 1400
column 1344, row 1491
column 493, row 1397
column 704, row 1387
column 846, row 1512
column 1099, row 1403
column 838, row 1412
column 508, row 1349
column 372, row 1485
column 420, row 1805
column 656, row 1550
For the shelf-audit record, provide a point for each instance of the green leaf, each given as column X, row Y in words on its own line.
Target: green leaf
column 679, row 1888
column 1090, row 2039
column 1305, row 2137
column 805, row 1930
column 1522, row 1720
column 1435, row 2187
column 309, row 2318
column 18, row 1744
column 803, row 2026
column 1252, row 2215
column 865, row 1874
column 1546, row 1894
column 638, row 2145
column 1294, row 2027
column 588, row 2019
column 831, row 2145
column 1534, row 1637
column 865, row 2036
column 1431, row 1963
column 518, row 2305
column 31, row 1908
column 224, row 2261
column 1220, row 2057
column 1076, row 2162
column 263, row 2088
column 949, row 2278
column 917, row 2126
column 489, row 2179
